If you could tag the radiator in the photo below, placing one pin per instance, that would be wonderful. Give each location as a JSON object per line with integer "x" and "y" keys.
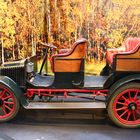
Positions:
{"x": 16, "y": 73}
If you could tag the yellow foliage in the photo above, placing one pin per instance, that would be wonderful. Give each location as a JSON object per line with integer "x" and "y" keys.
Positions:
{"x": 25, "y": 22}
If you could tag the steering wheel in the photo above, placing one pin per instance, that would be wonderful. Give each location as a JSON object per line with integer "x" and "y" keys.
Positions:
{"x": 48, "y": 45}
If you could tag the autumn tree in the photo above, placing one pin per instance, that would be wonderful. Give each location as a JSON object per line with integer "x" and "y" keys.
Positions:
{"x": 7, "y": 28}
{"x": 24, "y": 23}
{"x": 122, "y": 21}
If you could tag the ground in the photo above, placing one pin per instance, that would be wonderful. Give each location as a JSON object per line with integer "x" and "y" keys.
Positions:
{"x": 62, "y": 125}
{"x": 70, "y": 125}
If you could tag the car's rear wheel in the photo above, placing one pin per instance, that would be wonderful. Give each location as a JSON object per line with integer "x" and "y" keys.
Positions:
{"x": 9, "y": 104}
{"x": 124, "y": 106}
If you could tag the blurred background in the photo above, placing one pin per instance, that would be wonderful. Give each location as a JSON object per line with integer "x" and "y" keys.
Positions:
{"x": 104, "y": 23}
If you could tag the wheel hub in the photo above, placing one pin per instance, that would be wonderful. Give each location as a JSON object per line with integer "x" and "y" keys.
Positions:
{"x": 132, "y": 106}
{"x": 1, "y": 102}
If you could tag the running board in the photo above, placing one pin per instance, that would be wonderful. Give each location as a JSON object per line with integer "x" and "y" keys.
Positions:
{"x": 66, "y": 105}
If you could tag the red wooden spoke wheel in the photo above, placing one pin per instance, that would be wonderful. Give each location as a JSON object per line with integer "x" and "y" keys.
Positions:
{"x": 9, "y": 104}
{"x": 124, "y": 106}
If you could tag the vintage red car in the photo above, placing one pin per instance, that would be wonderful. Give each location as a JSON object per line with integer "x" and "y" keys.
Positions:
{"x": 118, "y": 86}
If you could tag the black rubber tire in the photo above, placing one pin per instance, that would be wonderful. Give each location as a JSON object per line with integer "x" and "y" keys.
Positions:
{"x": 17, "y": 106}
{"x": 111, "y": 101}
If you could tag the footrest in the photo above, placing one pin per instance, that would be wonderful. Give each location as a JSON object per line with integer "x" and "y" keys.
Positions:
{"x": 66, "y": 105}
{"x": 95, "y": 82}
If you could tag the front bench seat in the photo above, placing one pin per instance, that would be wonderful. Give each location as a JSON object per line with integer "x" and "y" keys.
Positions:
{"x": 70, "y": 61}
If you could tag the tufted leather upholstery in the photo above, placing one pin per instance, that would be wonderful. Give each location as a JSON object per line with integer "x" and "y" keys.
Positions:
{"x": 130, "y": 46}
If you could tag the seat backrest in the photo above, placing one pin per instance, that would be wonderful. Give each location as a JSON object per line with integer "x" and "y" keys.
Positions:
{"x": 72, "y": 60}
{"x": 78, "y": 50}
{"x": 131, "y": 44}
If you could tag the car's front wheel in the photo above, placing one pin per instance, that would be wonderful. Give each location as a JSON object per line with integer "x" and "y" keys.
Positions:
{"x": 9, "y": 104}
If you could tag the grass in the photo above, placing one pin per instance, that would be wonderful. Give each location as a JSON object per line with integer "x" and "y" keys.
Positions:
{"x": 91, "y": 68}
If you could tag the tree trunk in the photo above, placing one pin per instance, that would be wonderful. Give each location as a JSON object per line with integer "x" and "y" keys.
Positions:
{"x": 46, "y": 28}
{"x": 14, "y": 52}
{"x": 33, "y": 45}
{"x": 2, "y": 46}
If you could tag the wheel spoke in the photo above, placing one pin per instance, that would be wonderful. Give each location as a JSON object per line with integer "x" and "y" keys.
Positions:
{"x": 8, "y": 97}
{"x": 128, "y": 116}
{"x": 138, "y": 112}
{"x": 135, "y": 97}
{"x": 138, "y": 101}
{"x": 134, "y": 116}
{"x": 8, "y": 102}
{"x": 138, "y": 106}
{"x": 129, "y": 93}
{"x": 8, "y": 107}
{"x": 124, "y": 98}
{"x": 4, "y": 111}
{"x": 124, "y": 113}
{"x": 122, "y": 108}
{"x": 2, "y": 93}
{"x": 125, "y": 104}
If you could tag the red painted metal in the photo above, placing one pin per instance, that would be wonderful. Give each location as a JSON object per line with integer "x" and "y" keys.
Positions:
{"x": 7, "y": 103}
{"x": 127, "y": 107}
{"x": 65, "y": 92}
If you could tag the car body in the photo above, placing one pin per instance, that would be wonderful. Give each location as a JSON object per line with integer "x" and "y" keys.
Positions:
{"x": 116, "y": 89}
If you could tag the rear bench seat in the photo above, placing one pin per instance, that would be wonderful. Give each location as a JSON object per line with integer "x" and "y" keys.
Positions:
{"x": 131, "y": 45}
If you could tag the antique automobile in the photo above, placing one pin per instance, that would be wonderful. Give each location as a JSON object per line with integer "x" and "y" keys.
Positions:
{"x": 116, "y": 90}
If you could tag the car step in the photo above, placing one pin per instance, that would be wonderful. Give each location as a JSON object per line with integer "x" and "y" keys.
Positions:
{"x": 66, "y": 105}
